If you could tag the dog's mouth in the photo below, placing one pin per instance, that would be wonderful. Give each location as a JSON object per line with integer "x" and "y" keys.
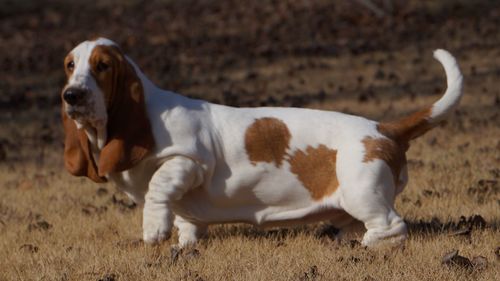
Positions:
{"x": 78, "y": 112}
{"x": 73, "y": 113}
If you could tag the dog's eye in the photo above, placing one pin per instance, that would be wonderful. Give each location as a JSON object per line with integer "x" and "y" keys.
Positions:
{"x": 101, "y": 67}
{"x": 70, "y": 65}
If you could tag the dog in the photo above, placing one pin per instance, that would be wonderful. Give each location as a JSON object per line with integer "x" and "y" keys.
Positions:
{"x": 192, "y": 163}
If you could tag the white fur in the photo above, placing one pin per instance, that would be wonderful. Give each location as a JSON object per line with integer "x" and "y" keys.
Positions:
{"x": 200, "y": 173}
{"x": 453, "y": 93}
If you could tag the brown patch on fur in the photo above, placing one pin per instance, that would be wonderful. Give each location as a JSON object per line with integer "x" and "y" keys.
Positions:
{"x": 78, "y": 158}
{"x": 316, "y": 169}
{"x": 392, "y": 149}
{"x": 387, "y": 150}
{"x": 267, "y": 140}
{"x": 129, "y": 133}
{"x": 107, "y": 80}
{"x": 407, "y": 128}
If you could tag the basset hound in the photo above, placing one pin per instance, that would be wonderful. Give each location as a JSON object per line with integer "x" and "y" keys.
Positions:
{"x": 192, "y": 163}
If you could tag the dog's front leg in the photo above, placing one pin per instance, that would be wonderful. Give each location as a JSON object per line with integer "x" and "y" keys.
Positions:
{"x": 169, "y": 183}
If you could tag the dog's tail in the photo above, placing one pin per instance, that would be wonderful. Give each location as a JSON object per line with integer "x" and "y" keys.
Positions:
{"x": 416, "y": 124}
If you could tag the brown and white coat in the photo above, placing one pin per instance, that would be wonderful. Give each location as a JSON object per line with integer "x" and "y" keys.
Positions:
{"x": 193, "y": 163}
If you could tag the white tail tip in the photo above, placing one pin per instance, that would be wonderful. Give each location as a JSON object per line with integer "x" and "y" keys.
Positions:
{"x": 454, "y": 86}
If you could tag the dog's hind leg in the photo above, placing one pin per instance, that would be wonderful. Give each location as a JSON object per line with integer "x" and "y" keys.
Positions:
{"x": 370, "y": 199}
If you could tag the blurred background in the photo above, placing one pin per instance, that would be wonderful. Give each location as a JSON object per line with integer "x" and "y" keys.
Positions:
{"x": 366, "y": 57}
{"x": 241, "y": 53}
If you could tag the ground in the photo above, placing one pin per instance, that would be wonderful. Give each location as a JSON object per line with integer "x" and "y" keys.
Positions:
{"x": 332, "y": 55}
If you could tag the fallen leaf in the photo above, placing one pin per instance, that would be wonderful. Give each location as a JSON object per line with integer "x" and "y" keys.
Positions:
{"x": 101, "y": 191}
{"x": 39, "y": 225}
{"x": 25, "y": 185}
{"x": 185, "y": 254}
{"x": 477, "y": 221}
{"x": 124, "y": 204}
{"x": 354, "y": 244}
{"x": 311, "y": 274}
{"x": 453, "y": 259}
{"x": 108, "y": 277}
{"x": 191, "y": 254}
{"x": 29, "y": 248}
{"x": 369, "y": 278}
{"x": 466, "y": 231}
{"x": 479, "y": 263}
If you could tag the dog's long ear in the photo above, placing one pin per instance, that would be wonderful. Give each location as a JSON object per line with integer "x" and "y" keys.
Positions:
{"x": 130, "y": 137}
{"x": 78, "y": 159}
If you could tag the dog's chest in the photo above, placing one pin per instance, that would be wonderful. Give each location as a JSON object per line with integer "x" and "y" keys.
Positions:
{"x": 134, "y": 182}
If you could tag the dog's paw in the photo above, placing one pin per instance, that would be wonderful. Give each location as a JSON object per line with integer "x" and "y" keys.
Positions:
{"x": 155, "y": 232}
{"x": 156, "y": 226}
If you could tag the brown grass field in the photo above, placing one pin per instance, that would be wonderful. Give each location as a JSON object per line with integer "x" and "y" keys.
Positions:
{"x": 332, "y": 55}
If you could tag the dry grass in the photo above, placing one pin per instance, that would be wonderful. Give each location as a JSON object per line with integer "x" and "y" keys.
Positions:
{"x": 57, "y": 227}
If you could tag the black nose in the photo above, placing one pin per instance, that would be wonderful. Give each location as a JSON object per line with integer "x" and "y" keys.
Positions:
{"x": 73, "y": 95}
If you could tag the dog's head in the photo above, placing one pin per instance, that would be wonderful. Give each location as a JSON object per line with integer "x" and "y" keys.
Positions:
{"x": 95, "y": 72}
{"x": 103, "y": 93}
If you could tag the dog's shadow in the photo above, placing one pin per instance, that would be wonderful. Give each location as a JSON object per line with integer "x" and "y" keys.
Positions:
{"x": 422, "y": 228}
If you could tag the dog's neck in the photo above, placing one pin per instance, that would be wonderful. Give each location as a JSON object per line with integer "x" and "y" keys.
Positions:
{"x": 97, "y": 138}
